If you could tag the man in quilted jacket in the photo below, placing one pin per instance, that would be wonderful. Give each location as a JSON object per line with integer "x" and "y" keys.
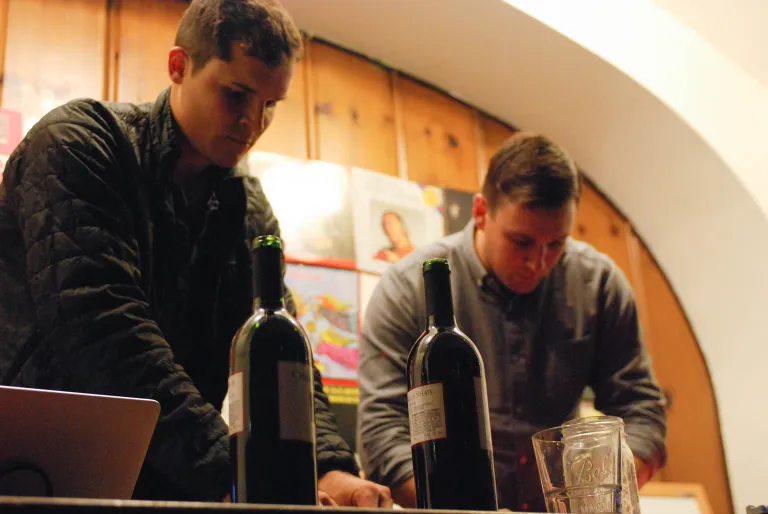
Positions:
{"x": 124, "y": 262}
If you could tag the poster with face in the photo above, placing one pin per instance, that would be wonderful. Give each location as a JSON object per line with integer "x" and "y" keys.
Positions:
{"x": 311, "y": 202}
{"x": 392, "y": 217}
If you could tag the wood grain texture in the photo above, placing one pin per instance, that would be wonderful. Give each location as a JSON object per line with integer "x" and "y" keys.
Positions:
{"x": 440, "y": 138}
{"x": 494, "y": 134}
{"x": 147, "y": 31}
{"x": 354, "y": 110}
{"x": 600, "y": 225}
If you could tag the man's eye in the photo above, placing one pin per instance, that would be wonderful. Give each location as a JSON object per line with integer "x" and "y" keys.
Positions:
{"x": 236, "y": 96}
{"x": 521, "y": 244}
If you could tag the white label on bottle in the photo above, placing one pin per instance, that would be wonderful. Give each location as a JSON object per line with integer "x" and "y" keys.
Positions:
{"x": 426, "y": 413}
{"x": 481, "y": 396}
{"x": 236, "y": 409}
{"x": 295, "y": 395}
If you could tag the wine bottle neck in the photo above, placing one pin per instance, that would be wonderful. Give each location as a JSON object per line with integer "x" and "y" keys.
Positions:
{"x": 437, "y": 288}
{"x": 268, "y": 290}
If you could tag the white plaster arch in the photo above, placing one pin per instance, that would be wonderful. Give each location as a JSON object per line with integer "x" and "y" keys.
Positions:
{"x": 667, "y": 126}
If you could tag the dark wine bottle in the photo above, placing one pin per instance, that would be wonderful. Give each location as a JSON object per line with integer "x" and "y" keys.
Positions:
{"x": 448, "y": 408}
{"x": 271, "y": 395}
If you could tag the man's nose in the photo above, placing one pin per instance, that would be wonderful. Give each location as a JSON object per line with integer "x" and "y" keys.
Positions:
{"x": 536, "y": 259}
{"x": 254, "y": 117}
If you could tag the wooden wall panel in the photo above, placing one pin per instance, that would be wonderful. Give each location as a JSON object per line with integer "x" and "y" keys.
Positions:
{"x": 600, "y": 225}
{"x": 693, "y": 438}
{"x": 440, "y": 138}
{"x": 493, "y": 134}
{"x": 354, "y": 110}
{"x": 147, "y": 30}
{"x": 55, "y": 52}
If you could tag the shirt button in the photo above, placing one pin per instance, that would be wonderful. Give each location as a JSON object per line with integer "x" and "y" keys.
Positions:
{"x": 523, "y": 460}
{"x": 524, "y": 506}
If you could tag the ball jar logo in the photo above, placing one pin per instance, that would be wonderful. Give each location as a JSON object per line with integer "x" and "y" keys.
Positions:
{"x": 590, "y": 470}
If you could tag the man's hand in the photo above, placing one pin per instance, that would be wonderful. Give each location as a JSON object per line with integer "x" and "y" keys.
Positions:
{"x": 324, "y": 500}
{"x": 350, "y": 491}
{"x": 644, "y": 472}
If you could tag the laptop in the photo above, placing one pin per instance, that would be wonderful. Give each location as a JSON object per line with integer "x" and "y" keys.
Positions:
{"x": 76, "y": 445}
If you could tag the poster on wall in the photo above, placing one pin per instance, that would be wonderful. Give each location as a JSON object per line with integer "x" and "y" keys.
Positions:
{"x": 327, "y": 307}
{"x": 457, "y": 209}
{"x": 392, "y": 217}
{"x": 311, "y": 202}
{"x": 10, "y": 135}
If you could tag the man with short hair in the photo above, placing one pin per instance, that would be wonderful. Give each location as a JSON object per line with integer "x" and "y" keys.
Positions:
{"x": 124, "y": 264}
{"x": 548, "y": 314}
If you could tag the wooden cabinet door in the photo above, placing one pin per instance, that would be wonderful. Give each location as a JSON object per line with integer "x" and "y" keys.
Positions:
{"x": 440, "y": 138}
{"x": 694, "y": 443}
{"x": 354, "y": 110}
{"x": 55, "y": 52}
{"x": 145, "y": 34}
{"x": 494, "y": 134}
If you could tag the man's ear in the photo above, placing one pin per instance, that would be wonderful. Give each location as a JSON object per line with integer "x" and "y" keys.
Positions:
{"x": 479, "y": 210}
{"x": 179, "y": 64}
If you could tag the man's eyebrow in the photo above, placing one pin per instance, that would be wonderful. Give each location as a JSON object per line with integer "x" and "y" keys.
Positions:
{"x": 518, "y": 235}
{"x": 246, "y": 88}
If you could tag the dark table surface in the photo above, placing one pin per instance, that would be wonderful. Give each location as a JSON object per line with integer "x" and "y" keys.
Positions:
{"x": 19, "y": 505}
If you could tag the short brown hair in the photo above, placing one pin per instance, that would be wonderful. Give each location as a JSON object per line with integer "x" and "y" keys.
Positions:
{"x": 532, "y": 169}
{"x": 208, "y": 28}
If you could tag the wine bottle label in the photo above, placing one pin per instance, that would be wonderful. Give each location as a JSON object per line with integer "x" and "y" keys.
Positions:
{"x": 484, "y": 428}
{"x": 426, "y": 413}
{"x": 295, "y": 401}
{"x": 236, "y": 414}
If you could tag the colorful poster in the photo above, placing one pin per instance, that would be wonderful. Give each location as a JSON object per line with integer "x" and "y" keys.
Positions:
{"x": 392, "y": 217}
{"x": 10, "y": 135}
{"x": 458, "y": 209}
{"x": 311, "y": 202}
{"x": 327, "y": 307}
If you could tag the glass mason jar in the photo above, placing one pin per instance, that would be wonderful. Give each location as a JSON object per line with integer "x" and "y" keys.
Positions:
{"x": 630, "y": 498}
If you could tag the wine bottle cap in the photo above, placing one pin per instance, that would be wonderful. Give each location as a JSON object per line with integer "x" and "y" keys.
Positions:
{"x": 436, "y": 264}
{"x": 267, "y": 241}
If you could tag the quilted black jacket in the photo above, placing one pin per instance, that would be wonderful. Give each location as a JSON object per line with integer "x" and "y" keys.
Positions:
{"x": 108, "y": 285}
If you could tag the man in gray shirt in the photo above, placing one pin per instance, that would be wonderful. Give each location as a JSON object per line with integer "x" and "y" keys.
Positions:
{"x": 548, "y": 314}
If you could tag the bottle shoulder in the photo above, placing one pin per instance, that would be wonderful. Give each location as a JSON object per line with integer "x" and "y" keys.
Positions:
{"x": 440, "y": 351}
{"x": 271, "y": 325}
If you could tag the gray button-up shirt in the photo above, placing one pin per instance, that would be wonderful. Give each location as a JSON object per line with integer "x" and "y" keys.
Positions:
{"x": 579, "y": 327}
